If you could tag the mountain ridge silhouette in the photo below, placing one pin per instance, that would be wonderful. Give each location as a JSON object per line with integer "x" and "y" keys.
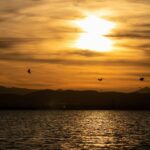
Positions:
{"x": 73, "y": 99}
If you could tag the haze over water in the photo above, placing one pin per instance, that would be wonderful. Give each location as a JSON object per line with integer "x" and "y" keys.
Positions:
{"x": 75, "y": 130}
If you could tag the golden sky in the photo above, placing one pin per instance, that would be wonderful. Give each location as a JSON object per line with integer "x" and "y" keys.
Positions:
{"x": 69, "y": 44}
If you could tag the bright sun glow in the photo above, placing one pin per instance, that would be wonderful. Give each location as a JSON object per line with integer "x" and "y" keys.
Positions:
{"x": 93, "y": 34}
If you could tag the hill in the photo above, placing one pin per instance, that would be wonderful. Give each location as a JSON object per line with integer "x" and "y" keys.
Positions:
{"x": 93, "y": 100}
{"x": 144, "y": 90}
{"x": 70, "y": 99}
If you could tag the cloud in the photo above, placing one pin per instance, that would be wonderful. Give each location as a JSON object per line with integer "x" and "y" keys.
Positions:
{"x": 143, "y": 25}
{"x": 140, "y": 34}
{"x": 39, "y": 33}
{"x": 139, "y": 74}
{"x": 85, "y": 53}
{"x": 74, "y": 62}
{"x": 139, "y": 1}
{"x": 145, "y": 48}
{"x": 6, "y": 43}
{"x": 138, "y": 47}
{"x": 2, "y": 19}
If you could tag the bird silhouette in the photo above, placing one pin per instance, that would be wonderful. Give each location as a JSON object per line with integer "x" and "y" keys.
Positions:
{"x": 29, "y": 71}
{"x": 141, "y": 79}
{"x": 100, "y": 79}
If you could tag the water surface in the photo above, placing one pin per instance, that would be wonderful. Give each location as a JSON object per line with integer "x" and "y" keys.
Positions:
{"x": 73, "y": 130}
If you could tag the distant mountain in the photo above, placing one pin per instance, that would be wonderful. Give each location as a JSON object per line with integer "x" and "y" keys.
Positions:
{"x": 14, "y": 90}
{"x": 69, "y": 99}
{"x": 19, "y": 98}
{"x": 144, "y": 90}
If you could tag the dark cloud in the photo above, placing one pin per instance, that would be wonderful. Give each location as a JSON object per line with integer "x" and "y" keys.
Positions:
{"x": 140, "y": 1}
{"x": 144, "y": 74}
{"x": 140, "y": 34}
{"x": 135, "y": 36}
{"x": 10, "y": 10}
{"x": 10, "y": 42}
{"x": 36, "y": 0}
{"x": 2, "y": 19}
{"x": 72, "y": 62}
{"x": 6, "y": 43}
{"x": 85, "y": 53}
{"x": 138, "y": 47}
{"x": 143, "y": 25}
{"x": 145, "y": 48}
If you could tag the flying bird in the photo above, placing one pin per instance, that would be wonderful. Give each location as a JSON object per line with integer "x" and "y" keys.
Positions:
{"x": 100, "y": 79}
{"x": 141, "y": 79}
{"x": 29, "y": 71}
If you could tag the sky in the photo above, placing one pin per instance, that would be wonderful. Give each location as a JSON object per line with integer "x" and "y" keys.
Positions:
{"x": 69, "y": 44}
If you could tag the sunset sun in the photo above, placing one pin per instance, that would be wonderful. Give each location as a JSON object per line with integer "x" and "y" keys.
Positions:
{"x": 93, "y": 31}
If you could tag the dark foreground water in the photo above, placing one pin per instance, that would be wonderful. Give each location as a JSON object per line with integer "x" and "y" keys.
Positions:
{"x": 71, "y": 130}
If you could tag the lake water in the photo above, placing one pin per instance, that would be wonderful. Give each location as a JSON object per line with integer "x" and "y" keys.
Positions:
{"x": 73, "y": 130}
